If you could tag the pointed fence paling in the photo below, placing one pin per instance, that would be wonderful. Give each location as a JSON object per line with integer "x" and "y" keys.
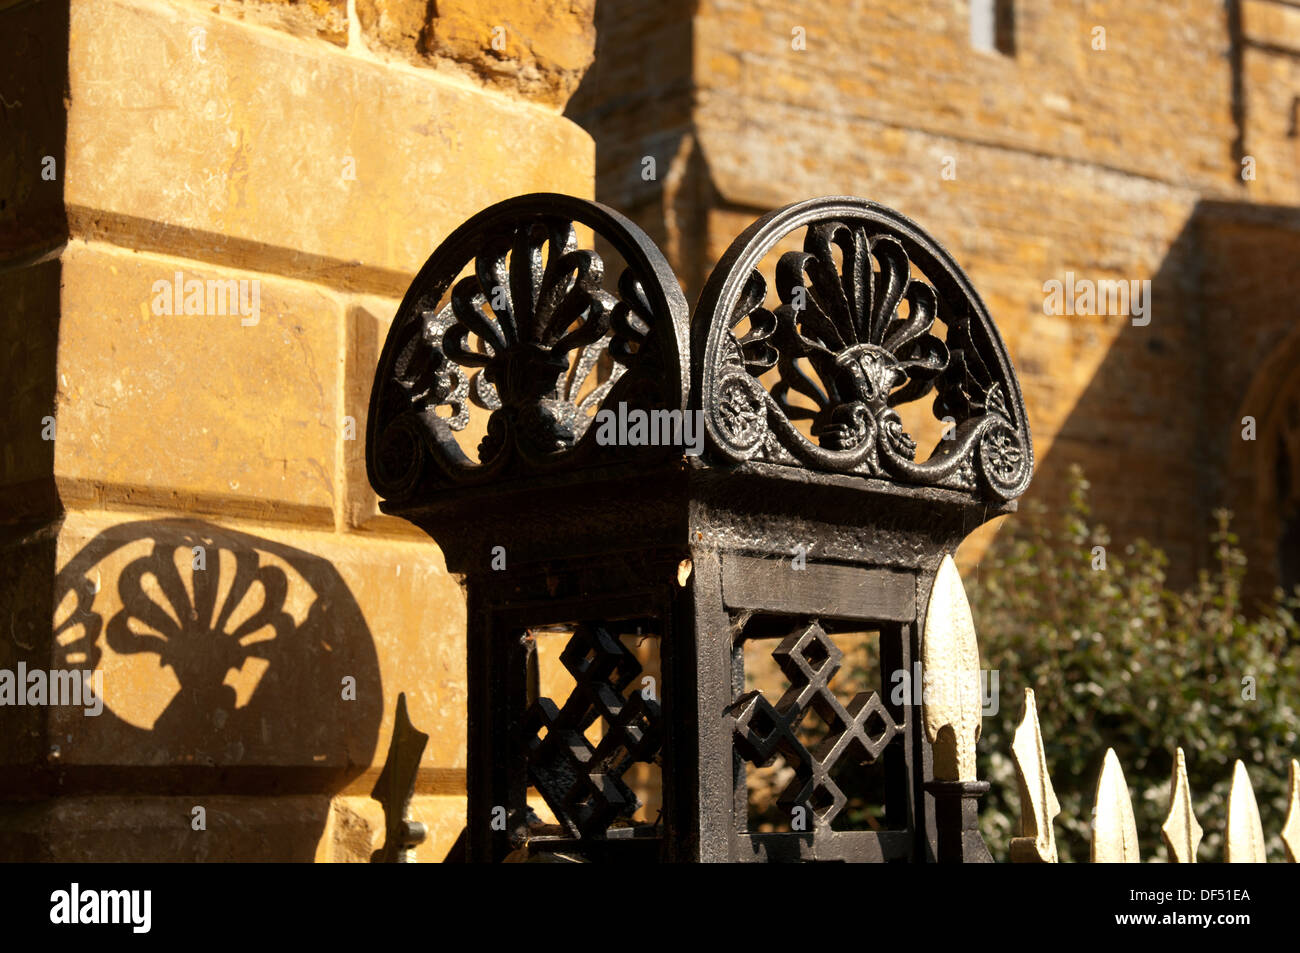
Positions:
{"x": 1114, "y": 833}
{"x": 951, "y": 659}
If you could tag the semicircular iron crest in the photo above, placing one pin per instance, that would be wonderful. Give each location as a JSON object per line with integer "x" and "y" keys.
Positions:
{"x": 537, "y": 334}
{"x": 873, "y": 314}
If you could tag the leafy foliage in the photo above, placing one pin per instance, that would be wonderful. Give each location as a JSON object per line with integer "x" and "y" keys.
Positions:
{"x": 1118, "y": 659}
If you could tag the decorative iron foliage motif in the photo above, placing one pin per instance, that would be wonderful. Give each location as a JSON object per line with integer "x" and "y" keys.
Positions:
{"x": 853, "y": 338}
{"x": 809, "y": 659}
{"x": 522, "y": 336}
{"x": 872, "y": 314}
{"x": 583, "y": 783}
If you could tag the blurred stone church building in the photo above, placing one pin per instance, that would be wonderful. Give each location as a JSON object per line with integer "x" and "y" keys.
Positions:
{"x": 1041, "y": 142}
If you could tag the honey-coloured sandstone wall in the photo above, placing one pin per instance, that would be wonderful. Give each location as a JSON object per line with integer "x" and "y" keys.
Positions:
{"x": 185, "y": 508}
{"x": 1077, "y": 151}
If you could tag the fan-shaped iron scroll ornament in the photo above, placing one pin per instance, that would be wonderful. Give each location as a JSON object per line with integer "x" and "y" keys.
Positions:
{"x": 647, "y": 562}
{"x": 857, "y": 309}
{"x": 522, "y": 336}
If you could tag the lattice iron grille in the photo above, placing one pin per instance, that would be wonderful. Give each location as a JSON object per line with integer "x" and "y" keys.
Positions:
{"x": 581, "y": 781}
{"x": 809, "y": 659}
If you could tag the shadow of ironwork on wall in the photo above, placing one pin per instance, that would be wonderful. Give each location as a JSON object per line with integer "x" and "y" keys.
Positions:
{"x": 216, "y": 648}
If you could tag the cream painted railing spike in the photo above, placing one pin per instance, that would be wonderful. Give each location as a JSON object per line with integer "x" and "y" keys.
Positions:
{"x": 1181, "y": 832}
{"x": 1114, "y": 831}
{"x": 1038, "y": 804}
{"x": 950, "y": 666}
{"x": 1291, "y": 829}
{"x": 1245, "y": 833}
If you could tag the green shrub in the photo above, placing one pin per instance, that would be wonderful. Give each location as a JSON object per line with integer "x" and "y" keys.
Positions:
{"x": 1117, "y": 659}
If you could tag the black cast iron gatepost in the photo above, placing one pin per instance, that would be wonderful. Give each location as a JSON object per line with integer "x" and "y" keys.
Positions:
{"x": 589, "y": 515}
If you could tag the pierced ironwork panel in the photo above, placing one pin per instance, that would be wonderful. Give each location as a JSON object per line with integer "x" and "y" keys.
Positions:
{"x": 804, "y": 370}
{"x": 873, "y": 315}
{"x": 582, "y": 782}
{"x": 809, "y": 659}
{"x": 523, "y": 335}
